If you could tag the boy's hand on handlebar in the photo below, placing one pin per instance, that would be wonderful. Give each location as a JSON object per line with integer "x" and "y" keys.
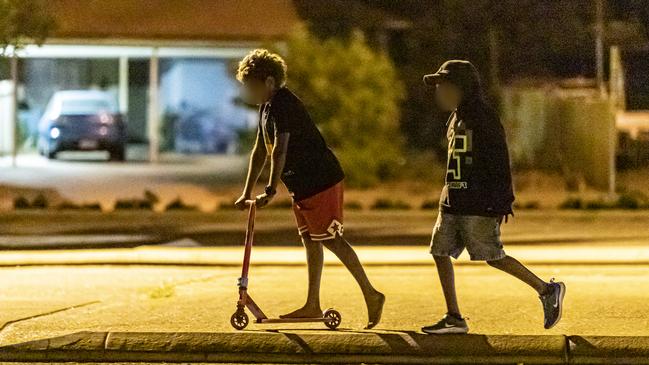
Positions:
{"x": 503, "y": 217}
{"x": 263, "y": 200}
{"x": 241, "y": 202}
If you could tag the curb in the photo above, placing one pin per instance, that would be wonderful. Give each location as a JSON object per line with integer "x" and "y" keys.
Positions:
{"x": 329, "y": 348}
{"x": 230, "y": 257}
{"x": 601, "y": 349}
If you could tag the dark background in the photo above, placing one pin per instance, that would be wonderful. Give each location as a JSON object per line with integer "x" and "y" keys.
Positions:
{"x": 508, "y": 40}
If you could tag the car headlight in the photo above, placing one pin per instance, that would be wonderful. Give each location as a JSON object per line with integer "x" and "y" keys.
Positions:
{"x": 55, "y": 133}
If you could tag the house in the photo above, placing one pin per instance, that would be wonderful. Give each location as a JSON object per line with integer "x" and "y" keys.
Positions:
{"x": 169, "y": 63}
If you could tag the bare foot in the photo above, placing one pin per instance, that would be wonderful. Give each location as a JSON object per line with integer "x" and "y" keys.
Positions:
{"x": 374, "y": 309}
{"x": 304, "y": 312}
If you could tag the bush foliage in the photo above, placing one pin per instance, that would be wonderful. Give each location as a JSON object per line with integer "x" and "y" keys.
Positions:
{"x": 354, "y": 94}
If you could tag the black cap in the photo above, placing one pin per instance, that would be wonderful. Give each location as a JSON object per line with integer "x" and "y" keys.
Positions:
{"x": 459, "y": 72}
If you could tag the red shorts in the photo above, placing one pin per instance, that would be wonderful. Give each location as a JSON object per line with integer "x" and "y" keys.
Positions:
{"x": 321, "y": 216}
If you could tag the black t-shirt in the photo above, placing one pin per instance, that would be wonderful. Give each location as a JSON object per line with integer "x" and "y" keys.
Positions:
{"x": 311, "y": 167}
{"x": 478, "y": 176}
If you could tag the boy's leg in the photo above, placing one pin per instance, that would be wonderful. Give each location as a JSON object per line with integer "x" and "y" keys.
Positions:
{"x": 447, "y": 280}
{"x": 445, "y": 244}
{"x": 482, "y": 237}
{"x": 346, "y": 254}
{"x": 322, "y": 215}
{"x": 483, "y": 242}
{"x": 314, "y": 259}
{"x": 513, "y": 267}
{"x": 551, "y": 294}
{"x": 452, "y": 322}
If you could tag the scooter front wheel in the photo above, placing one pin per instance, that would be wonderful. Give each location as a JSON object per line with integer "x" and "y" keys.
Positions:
{"x": 239, "y": 320}
{"x": 333, "y": 318}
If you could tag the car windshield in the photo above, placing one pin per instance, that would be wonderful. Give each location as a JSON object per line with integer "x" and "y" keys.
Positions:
{"x": 85, "y": 106}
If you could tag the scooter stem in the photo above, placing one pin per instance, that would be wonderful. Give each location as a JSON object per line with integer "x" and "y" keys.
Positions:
{"x": 243, "y": 281}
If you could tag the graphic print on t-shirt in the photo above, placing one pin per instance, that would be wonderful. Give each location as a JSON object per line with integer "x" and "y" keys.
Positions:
{"x": 459, "y": 148}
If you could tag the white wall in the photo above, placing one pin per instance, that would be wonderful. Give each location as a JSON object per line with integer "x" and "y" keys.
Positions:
{"x": 6, "y": 117}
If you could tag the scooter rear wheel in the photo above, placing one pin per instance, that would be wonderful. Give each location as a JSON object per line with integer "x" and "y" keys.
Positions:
{"x": 334, "y": 318}
{"x": 239, "y": 320}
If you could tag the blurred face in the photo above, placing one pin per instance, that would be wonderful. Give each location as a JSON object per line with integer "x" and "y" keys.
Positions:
{"x": 256, "y": 91}
{"x": 447, "y": 96}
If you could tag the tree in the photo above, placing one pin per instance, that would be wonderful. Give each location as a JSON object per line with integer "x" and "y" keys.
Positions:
{"x": 21, "y": 22}
{"x": 353, "y": 93}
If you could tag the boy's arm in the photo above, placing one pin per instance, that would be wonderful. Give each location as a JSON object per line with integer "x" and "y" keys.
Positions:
{"x": 258, "y": 159}
{"x": 278, "y": 159}
{"x": 499, "y": 170}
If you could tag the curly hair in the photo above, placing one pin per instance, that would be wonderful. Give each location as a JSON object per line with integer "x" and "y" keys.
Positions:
{"x": 260, "y": 64}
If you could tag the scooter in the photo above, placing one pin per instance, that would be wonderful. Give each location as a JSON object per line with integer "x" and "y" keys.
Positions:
{"x": 239, "y": 320}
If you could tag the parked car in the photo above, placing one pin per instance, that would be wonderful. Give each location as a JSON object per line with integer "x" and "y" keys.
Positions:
{"x": 82, "y": 120}
{"x": 199, "y": 131}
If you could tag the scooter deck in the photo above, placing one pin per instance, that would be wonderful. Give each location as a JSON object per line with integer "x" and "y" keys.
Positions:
{"x": 293, "y": 320}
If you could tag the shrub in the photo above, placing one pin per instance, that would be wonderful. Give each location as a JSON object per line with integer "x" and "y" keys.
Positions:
{"x": 40, "y": 202}
{"x": 353, "y": 205}
{"x": 68, "y": 205}
{"x": 151, "y": 197}
{"x": 533, "y": 204}
{"x": 430, "y": 205}
{"x": 571, "y": 203}
{"x": 21, "y": 203}
{"x": 178, "y": 204}
{"x": 91, "y": 206}
{"x": 633, "y": 200}
{"x": 386, "y": 204}
{"x": 598, "y": 204}
{"x": 133, "y": 204}
{"x": 353, "y": 93}
{"x": 627, "y": 201}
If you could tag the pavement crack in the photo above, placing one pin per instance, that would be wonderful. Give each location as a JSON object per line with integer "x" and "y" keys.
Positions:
{"x": 39, "y": 315}
{"x": 106, "y": 340}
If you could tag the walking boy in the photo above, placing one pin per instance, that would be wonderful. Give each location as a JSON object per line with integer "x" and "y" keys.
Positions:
{"x": 301, "y": 159}
{"x": 477, "y": 196}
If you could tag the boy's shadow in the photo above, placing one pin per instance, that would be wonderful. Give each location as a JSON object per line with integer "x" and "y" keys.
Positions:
{"x": 396, "y": 341}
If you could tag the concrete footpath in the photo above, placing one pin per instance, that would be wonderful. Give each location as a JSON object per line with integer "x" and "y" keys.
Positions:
{"x": 185, "y": 253}
{"x": 331, "y": 348}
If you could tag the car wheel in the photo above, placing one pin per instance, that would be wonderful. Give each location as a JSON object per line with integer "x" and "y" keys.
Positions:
{"x": 51, "y": 155}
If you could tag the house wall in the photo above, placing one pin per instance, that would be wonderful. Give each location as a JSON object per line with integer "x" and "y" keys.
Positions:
{"x": 199, "y": 92}
{"x": 42, "y": 77}
{"x": 199, "y": 97}
{"x": 565, "y": 130}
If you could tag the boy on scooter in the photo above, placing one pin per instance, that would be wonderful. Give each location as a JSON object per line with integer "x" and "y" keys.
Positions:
{"x": 300, "y": 158}
{"x": 477, "y": 196}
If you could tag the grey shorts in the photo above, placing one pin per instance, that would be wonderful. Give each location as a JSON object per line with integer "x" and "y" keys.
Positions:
{"x": 480, "y": 235}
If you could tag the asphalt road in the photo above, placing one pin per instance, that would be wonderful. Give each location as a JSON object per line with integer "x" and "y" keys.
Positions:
{"x": 47, "y": 301}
